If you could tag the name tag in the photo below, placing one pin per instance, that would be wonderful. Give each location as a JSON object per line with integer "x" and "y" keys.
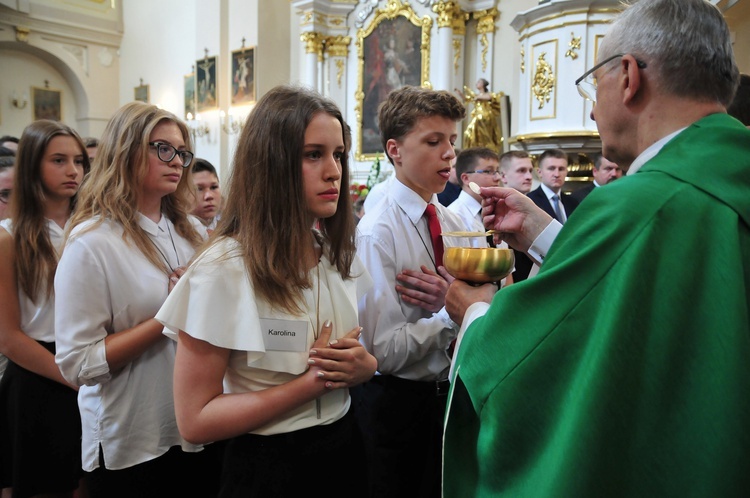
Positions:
{"x": 284, "y": 335}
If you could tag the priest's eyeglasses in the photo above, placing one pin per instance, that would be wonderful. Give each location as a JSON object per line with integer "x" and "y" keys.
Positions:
{"x": 167, "y": 152}
{"x": 587, "y": 83}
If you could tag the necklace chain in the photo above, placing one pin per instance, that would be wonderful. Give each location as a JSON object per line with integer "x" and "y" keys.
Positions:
{"x": 164, "y": 256}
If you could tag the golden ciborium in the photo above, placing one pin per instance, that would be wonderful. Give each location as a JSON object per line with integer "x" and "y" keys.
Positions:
{"x": 477, "y": 265}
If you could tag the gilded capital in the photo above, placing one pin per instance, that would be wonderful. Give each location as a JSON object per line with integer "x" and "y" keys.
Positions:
{"x": 486, "y": 20}
{"x": 313, "y": 43}
{"x": 337, "y": 46}
{"x": 444, "y": 10}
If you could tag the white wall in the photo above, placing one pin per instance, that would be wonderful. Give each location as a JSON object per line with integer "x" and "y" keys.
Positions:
{"x": 21, "y": 71}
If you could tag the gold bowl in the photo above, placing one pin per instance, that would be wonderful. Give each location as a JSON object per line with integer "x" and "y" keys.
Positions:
{"x": 478, "y": 264}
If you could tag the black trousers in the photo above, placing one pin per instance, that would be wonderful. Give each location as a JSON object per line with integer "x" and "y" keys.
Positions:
{"x": 402, "y": 426}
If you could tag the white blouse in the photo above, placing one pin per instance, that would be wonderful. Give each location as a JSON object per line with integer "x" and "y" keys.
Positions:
{"x": 104, "y": 284}
{"x": 215, "y": 302}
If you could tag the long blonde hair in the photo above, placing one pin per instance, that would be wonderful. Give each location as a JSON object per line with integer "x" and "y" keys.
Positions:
{"x": 36, "y": 258}
{"x": 265, "y": 209}
{"x": 113, "y": 188}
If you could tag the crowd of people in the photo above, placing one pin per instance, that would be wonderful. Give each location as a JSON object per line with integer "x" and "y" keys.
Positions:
{"x": 160, "y": 339}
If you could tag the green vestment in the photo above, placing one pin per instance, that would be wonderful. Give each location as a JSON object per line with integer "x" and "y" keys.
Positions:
{"x": 623, "y": 368}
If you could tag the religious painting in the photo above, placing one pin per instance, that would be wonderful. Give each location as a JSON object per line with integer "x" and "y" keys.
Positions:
{"x": 243, "y": 76}
{"x": 189, "y": 85}
{"x": 47, "y": 103}
{"x": 205, "y": 84}
{"x": 141, "y": 93}
{"x": 393, "y": 52}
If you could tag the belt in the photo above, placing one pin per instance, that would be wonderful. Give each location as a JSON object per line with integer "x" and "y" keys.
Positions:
{"x": 435, "y": 387}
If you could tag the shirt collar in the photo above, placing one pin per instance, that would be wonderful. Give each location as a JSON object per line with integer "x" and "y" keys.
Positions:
{"x": 548, "y": 191}
{"x": 410, "y": 202}
{"x": 149, "y": 226}
{"x": 651, "y": 152}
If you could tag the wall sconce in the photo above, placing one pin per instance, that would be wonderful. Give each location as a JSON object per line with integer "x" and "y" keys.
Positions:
{"x": 197, "y": 127}
{"x": 231, "y": 126}
{"x": 19, "y": 103}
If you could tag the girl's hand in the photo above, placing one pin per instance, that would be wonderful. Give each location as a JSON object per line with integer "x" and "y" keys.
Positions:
{"x": 344, "y": 362}
{"x": 174, "y": 277}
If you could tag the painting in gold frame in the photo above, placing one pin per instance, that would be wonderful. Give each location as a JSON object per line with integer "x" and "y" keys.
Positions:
{"x": 205, "y": 84}
{"x": 142, "y": 93}
{"x": 393, "y": 51}
{"x": 243, "y": 76}
{"x": 46, "y": 103}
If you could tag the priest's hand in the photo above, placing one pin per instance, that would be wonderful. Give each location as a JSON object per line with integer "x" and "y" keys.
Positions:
{"x": 462, "y": 295}
{"x": 514, "y": 215}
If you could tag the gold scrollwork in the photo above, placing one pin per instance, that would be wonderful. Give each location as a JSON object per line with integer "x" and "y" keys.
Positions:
{"x": 486, "y": 20}
{"x": 523, "y": 60}
{"x": 339, "y": 71}
{"x": 393, "y": 9}
{"x": 456, "y": 53}
{"x": 544, "y": 81}
{"x": 575, "y": 44}
{"x": 485, "y": 49}
{"x": 313, "y": 43}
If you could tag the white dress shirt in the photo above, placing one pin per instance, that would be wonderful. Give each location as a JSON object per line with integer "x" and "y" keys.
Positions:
{"x": 407, "y": 341}
{"x": 104, "y": 284}
{"x": 550, "y": 193}
{"x": 469, "y": 210}
{"x": 215, "y": 302}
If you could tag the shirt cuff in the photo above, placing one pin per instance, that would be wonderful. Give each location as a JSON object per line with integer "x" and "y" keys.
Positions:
{"x": 445, "y": 317}
{"x": 540, "y": 247}
{"x": 95, "y": 369}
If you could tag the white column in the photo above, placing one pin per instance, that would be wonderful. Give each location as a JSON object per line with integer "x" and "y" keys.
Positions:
{"x": 313, "y": 53}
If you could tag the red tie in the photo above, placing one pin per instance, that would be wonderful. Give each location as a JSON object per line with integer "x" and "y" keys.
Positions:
{"x": 437, "y": 241}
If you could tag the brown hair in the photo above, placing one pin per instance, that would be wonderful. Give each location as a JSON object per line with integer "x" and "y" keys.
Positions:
{"x": 113, "y": 188}
{"x": 403, "y": 107}
{"x": 36, "y": 258}
{"x": 467, "y": 159}
{"x": 556, "y": 153}
{"x": 265, "y": 210}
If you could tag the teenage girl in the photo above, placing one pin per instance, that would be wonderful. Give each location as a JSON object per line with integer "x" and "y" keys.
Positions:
{"x": 40, "y": 430}
{"x": 266, "y": 317}
{"x": 128, "y": 243}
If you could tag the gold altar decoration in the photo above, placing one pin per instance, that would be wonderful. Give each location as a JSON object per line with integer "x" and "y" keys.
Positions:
{"x": 313, "y": 43}
{"x": 456, "y": 54}
{"x": 484, "y": 128}
{"x": 523, "y": 60}
{"x": 544, "y": 81}
{"x": 575, "y": 44}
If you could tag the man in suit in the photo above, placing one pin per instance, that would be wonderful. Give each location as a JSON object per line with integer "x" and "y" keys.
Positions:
{"x": 516, "y": 172}
{"x": 552, "y": 170}
{"x": 604, "y": 172}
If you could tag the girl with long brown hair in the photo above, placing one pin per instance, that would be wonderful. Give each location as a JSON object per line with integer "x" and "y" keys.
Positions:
{"x": 266, "y": 317}
{"x": 40, "y": 429}
{"x": 128, "y": 242}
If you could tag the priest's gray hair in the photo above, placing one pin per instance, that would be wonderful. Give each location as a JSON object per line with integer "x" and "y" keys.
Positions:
{"x": 686, "y": 43}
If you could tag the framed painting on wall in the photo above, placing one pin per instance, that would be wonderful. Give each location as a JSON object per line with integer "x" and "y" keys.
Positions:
{"x": 205, "y": 84}
{"x": 141, "y": 93}
{"x": 243, "y": 76}
{"x": 189, "y": 85}
{"x": 393, "y": 52}
{"x": 47, "y": 103}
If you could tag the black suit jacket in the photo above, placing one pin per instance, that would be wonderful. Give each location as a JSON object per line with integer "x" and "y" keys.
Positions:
{"x": 580, "y": 194}
{"x": 540, "y": 199}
